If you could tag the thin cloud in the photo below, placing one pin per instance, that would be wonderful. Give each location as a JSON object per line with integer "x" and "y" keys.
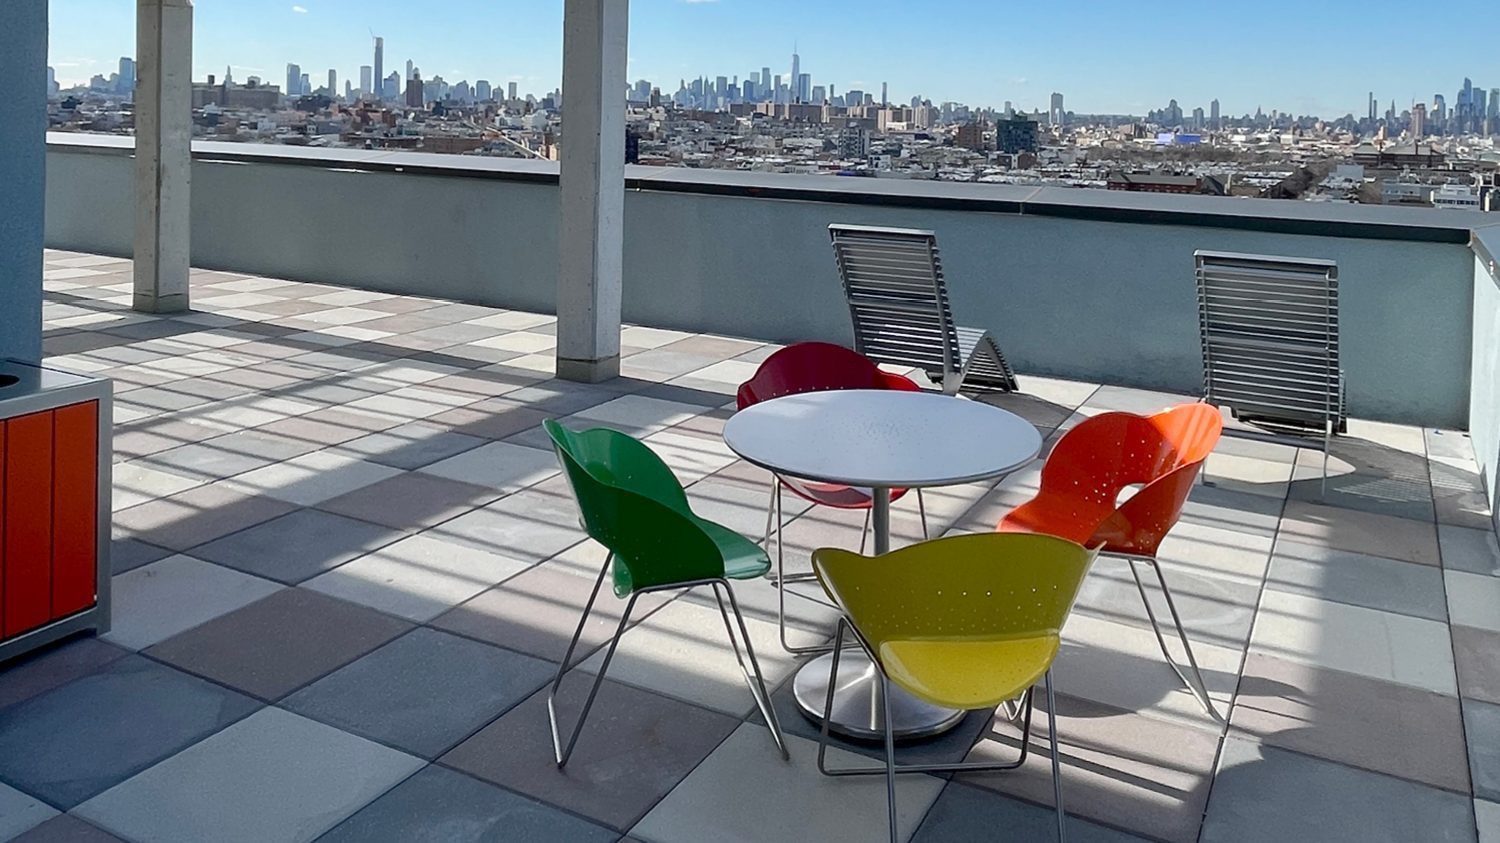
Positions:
{"x": 301, "y": 10}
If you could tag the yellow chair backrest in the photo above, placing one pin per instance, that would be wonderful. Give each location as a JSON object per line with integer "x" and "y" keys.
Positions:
{"x": 966, "y": 621}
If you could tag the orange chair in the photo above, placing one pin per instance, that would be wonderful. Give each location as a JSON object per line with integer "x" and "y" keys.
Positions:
{"x": 1088, "y": 469}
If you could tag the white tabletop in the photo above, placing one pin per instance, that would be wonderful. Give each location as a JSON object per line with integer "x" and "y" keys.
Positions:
{"x": 882, "y": 438}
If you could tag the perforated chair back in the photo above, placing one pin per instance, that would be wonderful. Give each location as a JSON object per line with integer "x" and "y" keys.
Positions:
{"x": 966, "y": 621}
{"x": 815, "y": 367}
{"x": 1269, "y": 328}
{"x": 1099, "y": 458}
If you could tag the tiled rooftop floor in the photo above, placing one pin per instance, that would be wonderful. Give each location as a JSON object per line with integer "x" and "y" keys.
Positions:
{"x": 345, "y": 566}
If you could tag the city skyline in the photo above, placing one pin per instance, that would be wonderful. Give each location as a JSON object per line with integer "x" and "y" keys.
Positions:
{"x": 269, "y": 34}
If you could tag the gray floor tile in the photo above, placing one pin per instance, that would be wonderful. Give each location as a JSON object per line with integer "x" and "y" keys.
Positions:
{"x": 417, "y": 578}
{"x": 272, "y": 776}
{"x": 1267, "y": 794}
{"x": 962, "y": 812}
{"x": 1216, "y": 609}
{"x": 157, "y": 601}
{"x": 411, "y": 501}
{"x": 1487, "y": 815}
{"x": 1476, "y": 653}
{"x": 196, "y": 516}
{"x": 1473, "y": 599}
{"x": 272, "y": 647}
{"x": 1482, "y": 726}
{"x": 66, "y": 828}
{"x": 42, "y": 670}
{"x": 423, "y": 692}
{"x": 1458, "y": 493}
{"x": 75, "y": 741}
{"x": 498, "y": 465}
{"x": 298, "y": 545}
{"x": 1468, "y": 549}
{"x": 1370, "y": 642}
{"x": 795, "y": 801}
{"x": 538, "y": 611}
{"x": 438, "y": 805}
{"x": 636, "y": 747}
{"x": 1358, "y": 579}
{"x": 19, "y": 812}
{"x": 412, "y": 445}
{"x": 1361, "y": 532}
{"x": 128, "y": 554}
{"x": 1381, "y": 726}
{"x": 228, "y": 455}
{"x": 528, "y": 525}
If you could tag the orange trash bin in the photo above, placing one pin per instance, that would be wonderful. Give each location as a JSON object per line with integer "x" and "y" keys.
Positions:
{"x": 55, "y": 488}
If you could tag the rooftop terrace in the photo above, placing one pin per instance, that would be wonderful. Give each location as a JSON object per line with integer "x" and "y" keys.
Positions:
{"x": 346, "y": 564}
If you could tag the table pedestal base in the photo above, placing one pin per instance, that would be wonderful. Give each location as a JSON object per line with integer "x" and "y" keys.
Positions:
{"x": 856, "y": 702}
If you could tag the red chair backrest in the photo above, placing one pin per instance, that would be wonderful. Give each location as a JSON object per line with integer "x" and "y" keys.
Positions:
{"x": 1093, "y": 462}
{"x": 815, "y": 367}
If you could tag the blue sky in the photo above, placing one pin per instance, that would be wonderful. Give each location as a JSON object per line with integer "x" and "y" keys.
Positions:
{"x": 1306, "y": 57}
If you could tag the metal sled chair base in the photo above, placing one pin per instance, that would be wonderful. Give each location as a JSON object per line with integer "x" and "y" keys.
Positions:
{"x": 891, "y": 769}
{"x": 1195, "y": 685}
{"x": 753, "y": 678}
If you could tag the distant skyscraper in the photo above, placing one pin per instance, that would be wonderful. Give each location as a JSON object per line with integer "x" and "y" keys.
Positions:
{"x": 379, "y": 63}
{"x": 414, "y": 91}
{"x": 765, "y": 83}
{"x": 1213, "y": 115}
{"x": 885, "y": 94}
{"x": 409, "y": 70}
{"x": 392, "y": 88}
{"x": 333, "y": 82}
{"x": 366, "y": 80}
{"x": 1439, "y": 111}
{"x": 52, "y": 87}
{"x": 304, "y": 85}
{"x": 293, "y": 80}
{"x": 127, "y": 75}
{"x": 804, "y": 88}
{"x": 482, "y": 91}
{"x": 1372, "y": 106}
{"x": 510, "y": 91}
{"x": 796, "y": 77}
{"x": 1418, "y": 121}
{"x": 1055, "y": 115}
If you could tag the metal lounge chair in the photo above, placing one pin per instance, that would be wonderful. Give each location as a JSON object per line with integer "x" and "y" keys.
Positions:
{"x": 1269, "y": 328}
{"x": 893, "y": 280}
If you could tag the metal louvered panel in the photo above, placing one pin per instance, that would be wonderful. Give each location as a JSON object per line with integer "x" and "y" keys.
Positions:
{"x": 1269, "y": 329}
{"x": 893, "y": 280}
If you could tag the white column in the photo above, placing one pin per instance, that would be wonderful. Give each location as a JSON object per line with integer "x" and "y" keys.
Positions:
{"x": 163, "y": 159}
{"x": 591, "y": 232}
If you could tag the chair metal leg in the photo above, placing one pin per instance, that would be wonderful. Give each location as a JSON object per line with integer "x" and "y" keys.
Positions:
{"x": 771, "y": 512}
{"x": 890, "y": 755}
{"x": 922, "y": 510}
{"x": 1057, "y": 796}
{"x": 560, "y": 752}
{"x": 781, "y": 580}
{"x": 864, "y": 532}
{"x": 757, "y": 683}
{"x": 960, "y": 767}
{"x": 1327, "y": 436}
{"x": 1198, "y": 688}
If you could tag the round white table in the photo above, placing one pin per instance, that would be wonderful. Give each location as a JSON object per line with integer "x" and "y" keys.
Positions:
{"x": 880, "y": 440}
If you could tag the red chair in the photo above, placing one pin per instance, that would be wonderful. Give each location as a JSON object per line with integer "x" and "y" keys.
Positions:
{"x": 1088, "y": 469}
{"x": 817, "y": 367}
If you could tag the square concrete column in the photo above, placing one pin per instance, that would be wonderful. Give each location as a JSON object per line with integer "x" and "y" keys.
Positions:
{"x": 163, "y": 153}
{"x": 23, "y": 166}
{"x": 591, "y": 232}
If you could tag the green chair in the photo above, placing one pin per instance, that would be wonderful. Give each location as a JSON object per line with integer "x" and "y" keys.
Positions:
{"x": 633, "y": 505}
{"x": 965, "y": 622}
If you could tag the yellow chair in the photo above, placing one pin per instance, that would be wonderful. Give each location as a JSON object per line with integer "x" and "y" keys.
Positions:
{"x": 964, "y": 622}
